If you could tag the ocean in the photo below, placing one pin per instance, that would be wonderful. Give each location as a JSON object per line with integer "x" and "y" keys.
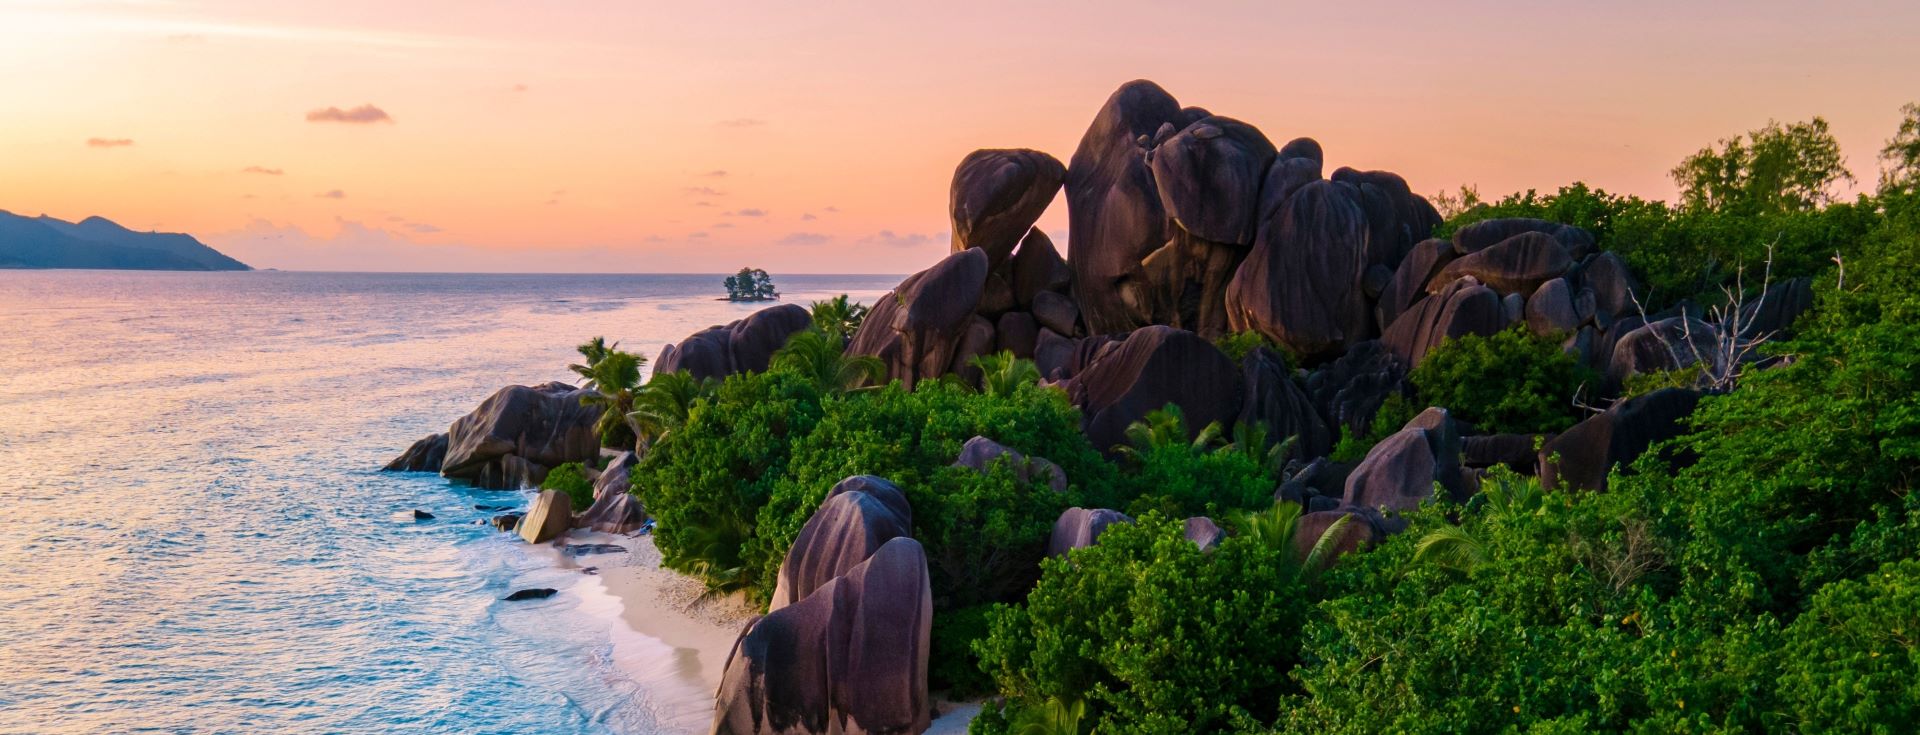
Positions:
{"x": 197, "y": 538}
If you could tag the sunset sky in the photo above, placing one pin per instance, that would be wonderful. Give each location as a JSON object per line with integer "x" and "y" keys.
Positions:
{"x": 623, "y": 136}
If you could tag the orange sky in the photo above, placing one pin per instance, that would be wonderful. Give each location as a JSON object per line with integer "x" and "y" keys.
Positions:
{"x": 819, "y": 137}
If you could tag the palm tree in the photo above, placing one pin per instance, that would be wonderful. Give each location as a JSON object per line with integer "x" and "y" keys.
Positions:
{"x": 613, "y": 377}
{"x": 1502, "y": 495}
{"x": 1053, "y": 718}
{"x": 820, "y": 358}
{"x": 1166, "y": 427}
{"x": 1002, "y": 374}
{"x": 1276, "y": 527}
{"x": 1250, "y": 438}
{"x": 839, "y": 317}
{"x": 1450, "y": 547}
{"x": 593, "y": 350}
{"x": 662, "y": 406}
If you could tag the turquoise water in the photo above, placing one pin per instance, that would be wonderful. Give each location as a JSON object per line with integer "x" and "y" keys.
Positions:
{"x": 196, "y": 539}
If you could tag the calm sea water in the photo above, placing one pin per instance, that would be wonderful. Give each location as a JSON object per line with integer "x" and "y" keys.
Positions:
{"x": 196, "y": 539}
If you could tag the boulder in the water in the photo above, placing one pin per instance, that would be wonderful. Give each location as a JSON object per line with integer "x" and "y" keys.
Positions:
{"x": 425, "y": 455}
{"x": 536, "y": 593}
{"x": 548, "y": 518}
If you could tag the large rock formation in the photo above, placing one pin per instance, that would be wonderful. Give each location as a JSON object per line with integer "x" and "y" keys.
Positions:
{"x": 981, "y": 454}
{"x": 1668, "y": 344}
{"x": 1209, "y": 177}
{"x": 1463, "y": 307}
{"x": 1349, "y": 391}
{"x": 1301, "y": 284}
{"x": 859, "y": 515}
{"x": 614, "y": 509}
{"x": 519, "y": 433}
{"x": 1409, "y": 282}
{"x": 917, "y": 329}
{"x": 744, "y": 345}
{"x": 997, "y": 195}
{"x": 1155, "y": 366}
{"x": 849, "y": 658}
{"x": 1581, "y": 456}
{"x": 1113, "y": 207}
{"x": 1272, "y": 399}
{"x": 425, "y": 455}
{"x": 1518, "y": 264}
{"x": 1400, "y": 472}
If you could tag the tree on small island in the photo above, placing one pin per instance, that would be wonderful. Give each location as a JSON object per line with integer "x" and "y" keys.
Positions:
{"x": 750, "y": 284}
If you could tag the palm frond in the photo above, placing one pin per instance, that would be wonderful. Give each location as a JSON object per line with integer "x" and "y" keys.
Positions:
{"x": 1450, "y": 547}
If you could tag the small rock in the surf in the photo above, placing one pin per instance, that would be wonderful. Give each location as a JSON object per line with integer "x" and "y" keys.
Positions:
{"x": 537, "y": 593}
{"x": 506, "y": 521}
{"x": 492, "y": 508}
{"x": 421, "y": 515}
{"x": 586, "y": 549}
{"x": 589, "y": 570}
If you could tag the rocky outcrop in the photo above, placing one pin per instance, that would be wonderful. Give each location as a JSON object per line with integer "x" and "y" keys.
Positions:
{"x": 426, "y": 455}
{"x": 1396, "y": 217}
{"x": 1300, "y": 286}
{"x": 1209, "y": 177}
{"x": 1582, "y": 456}
{"x": 548, "y": 518}
{"x": 1516, "y": 451}
{"x": 1668, "y": 344}
{"x": 997, "y": 195}
{"x": 519, "y": 433}
{"x": 615, "y": 509}
{"x": 1113, "y": 207}
{"x": 1037, "y": 268}
{"x": 1362, "y": 529}
{"x": 1272, "y": 399}
{"x": 1518, "y": 264}
{"x": 744, "y": 345}
{"x": 1349, "y": 391}
{"x": 1552, "y": 311}
{"x": 849, "y": 658}
{"x": 1153, "y": 367}
{"x": 917, "y": 329}
{"x": 1463, "y": 307}
{"x": 1079, "y": 528}
{"x": 1203, "y": 532}
{"x": 980, "y": 454}
{"x": 860, "y": 514}
{"x": 1409, "y": 281}
{"x": 1401, "y": 471}
{"x": 1612, "y": 283}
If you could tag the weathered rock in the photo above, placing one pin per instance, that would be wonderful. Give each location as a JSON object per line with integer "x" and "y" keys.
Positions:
{"x": 1300, "y": 286}
{"x": 1551, "y": 311}
{"x": 1307, "y": 148}
{"x": 1513, "y": 308}
{"x": 1463, "y": 307}
{"x": 1516, "y": 451}
{"x": 518, "y": 433}
{"x": 1396, "y": 217}
{"x": 1581, "y": 456}
{"x": 1038, "y": 267}
{"x": 425, "y": 455}
{"x": 744, "y": 345}
{"x": 1080, "y": 527}
{"x": 1484, "y": 234}
{"x": 536, "y": 593}
{"x": 1348, "y": 391}
{"x": 1518, "y": 264}
{"x": 1612, "y": 284}
{"x": 977, "y": 340}
{"x": 1409, "y": 282}
{"x": 980, "y": 454}
{"x": 1668, "y": 344}
{"x": 614, "y": 509}
{"x": 1113, "y": 207}
{"x": 1272, "y": 399}
{"x": 996, "y": 297}
{"x": 1204, "y": 533}
{"x": 1056, "y": 312}
{"x": 507, "y": 521}
{"x": 548, "y": 518}
{"x": 1359, "y": 532}
{"x": 1209, "y": 178}
{"x": 1775, "y": 309}
{"x": 1155, "y": 366}
{"x": 849, "y": 658}
{"x": 917, "y": 329}
{"x": 421, "y": 515}
{"x": 858, "y": 516}
{"x": 1016, "y": 332}
{"x": 997, "y": 195}
{"x": 579, "y": 550}
{"x": 1401, "y": 471}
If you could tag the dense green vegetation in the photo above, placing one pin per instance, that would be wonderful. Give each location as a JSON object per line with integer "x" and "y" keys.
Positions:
{"x": 613, "y": 375}
{"x": 571, "y": 479}
{"x": 1759, "y": 575}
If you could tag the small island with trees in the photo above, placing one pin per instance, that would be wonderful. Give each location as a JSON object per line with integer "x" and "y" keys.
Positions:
{"x": 751, "y": 284}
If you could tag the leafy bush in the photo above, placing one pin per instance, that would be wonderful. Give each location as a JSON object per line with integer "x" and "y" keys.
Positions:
{"x": 1181, "y": 481}
{"x": 571, "y": 479}
{"x": 707, "y": 485}
{"x": 1394, "y": 413}
{"x": 983, "y": 533}
{"x": 1153, "y": 634}
{"x": 1851, "y": 662}
{"x": 1511, "y": 382}
{"x": 951, "y": 663}
{"x": 1237, "y": 345}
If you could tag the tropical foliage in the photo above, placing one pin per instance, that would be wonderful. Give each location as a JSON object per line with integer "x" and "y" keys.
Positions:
{"x": 1509, "y": 383}
{"x": 750, "y": 284}
{"x": 571, "y": 479}
{"x": 613, "y": 375}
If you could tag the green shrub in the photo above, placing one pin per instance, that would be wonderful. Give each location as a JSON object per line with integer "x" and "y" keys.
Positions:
{"x": 1181, "y": 481}
{"x": 708, "y": 484}
{"x": 1509, "y": 383}
{"x": 983, "y": 533}
{"x": 1237, "y": 345}
{"x": 1851, "y": 662}
{"x": 1393, "y": 414}
{"x": 571, "y": 479}
{"x": 1153, "y": 634}
{"x": 951, "y": 663}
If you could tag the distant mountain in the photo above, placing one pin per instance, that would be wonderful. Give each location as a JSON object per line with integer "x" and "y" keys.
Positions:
{"x": 97, "y": 242}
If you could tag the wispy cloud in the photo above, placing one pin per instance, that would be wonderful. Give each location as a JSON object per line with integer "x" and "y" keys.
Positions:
{"x": 704, "y": 191}
{"x": 422, "y": 228}
{"x": 697, "y": 236}
{"x": 806, "y": 238}
{"x": 109, "y": 142}
{"x": 749, "y": 212}
{"x": 741, "y": 122}
{"x": 831, "y": 208}
{"x": 703, "y": 204}
{"x": 715, "y": 174}
{"x": 519, "y": 87}
{"x": 904, "y": 240}
{"x": 262, "y": 170}
{"x": 808, "y": 217}
{"x": 362, "y": 115}
{"x": 654, "y": 238}
{"x": 332, "y": 194}
{"x": 722, "y": 225}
